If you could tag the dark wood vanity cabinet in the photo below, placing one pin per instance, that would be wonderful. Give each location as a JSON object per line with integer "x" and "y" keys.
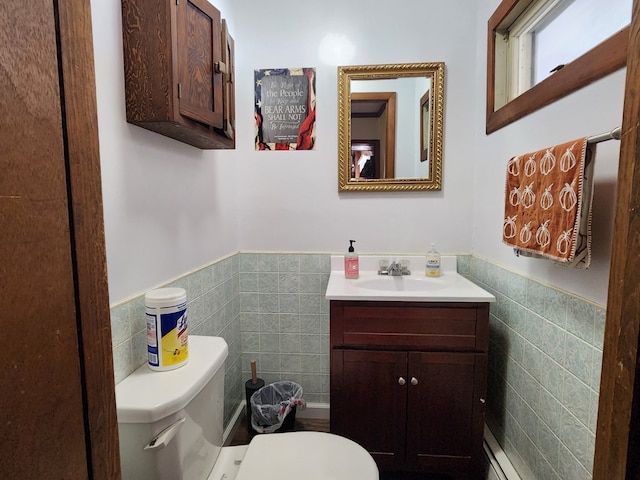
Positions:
{"x": 408, "y": 383}
{"x": 179, "y": 78}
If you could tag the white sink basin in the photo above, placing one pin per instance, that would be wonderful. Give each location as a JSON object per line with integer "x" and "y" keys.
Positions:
{"x": 405, "y": 283}
{"x": 449, "y": 287}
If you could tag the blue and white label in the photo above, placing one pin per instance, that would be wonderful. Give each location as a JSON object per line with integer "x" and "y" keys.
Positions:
{"x": 167, "y": 346}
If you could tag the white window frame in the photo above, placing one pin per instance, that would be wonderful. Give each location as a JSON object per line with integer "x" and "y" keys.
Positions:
{"x": 514, "y": 54}
{"x": 520, "y": 44}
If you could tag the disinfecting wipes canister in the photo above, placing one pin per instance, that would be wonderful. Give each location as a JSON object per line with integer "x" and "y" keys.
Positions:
{"x": 166, "y": 311}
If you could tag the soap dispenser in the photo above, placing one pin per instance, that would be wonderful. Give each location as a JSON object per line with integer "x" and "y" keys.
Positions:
{"x": 351, "y": 262}
{"x": 432, "y": 266}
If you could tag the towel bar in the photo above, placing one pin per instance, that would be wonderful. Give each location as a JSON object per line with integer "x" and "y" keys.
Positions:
{"x": 614, "y": 134}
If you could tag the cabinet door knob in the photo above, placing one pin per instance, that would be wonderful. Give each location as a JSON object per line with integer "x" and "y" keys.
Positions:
{"x": 482, "y": 400}
{"x": 402, "y": 381}
{"x": 414, "y": 381}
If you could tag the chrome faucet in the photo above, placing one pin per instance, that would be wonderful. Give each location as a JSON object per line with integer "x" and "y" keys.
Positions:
{"x": 395, "y": 269}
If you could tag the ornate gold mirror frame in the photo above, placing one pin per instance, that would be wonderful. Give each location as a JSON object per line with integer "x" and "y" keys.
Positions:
{"x": 433, "y": 180}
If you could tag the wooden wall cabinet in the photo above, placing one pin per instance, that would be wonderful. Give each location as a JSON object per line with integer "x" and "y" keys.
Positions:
{"x": 179, "y": 78}
{"x": 408, "y": 383}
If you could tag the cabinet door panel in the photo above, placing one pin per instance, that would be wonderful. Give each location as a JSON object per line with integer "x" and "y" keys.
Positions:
{"x": 370, "y": 404}
{"x": 451, "y": 383}
{"x": 199, "y": 38}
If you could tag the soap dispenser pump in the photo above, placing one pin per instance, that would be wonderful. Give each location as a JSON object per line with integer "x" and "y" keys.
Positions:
{"x": 351, "y": 262}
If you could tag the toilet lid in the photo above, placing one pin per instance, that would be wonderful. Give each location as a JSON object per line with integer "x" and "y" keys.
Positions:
{"x": 308, "y": 455}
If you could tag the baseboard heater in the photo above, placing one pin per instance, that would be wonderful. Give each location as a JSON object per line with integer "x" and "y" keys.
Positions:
{"x": 500, "y": 468}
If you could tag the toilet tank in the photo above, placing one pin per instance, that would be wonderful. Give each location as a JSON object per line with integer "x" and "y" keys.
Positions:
{"x": 170, "y": 423}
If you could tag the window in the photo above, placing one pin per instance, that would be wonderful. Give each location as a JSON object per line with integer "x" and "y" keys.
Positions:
{"x": 585, "y": 22}
{"x": 533, "y": 41}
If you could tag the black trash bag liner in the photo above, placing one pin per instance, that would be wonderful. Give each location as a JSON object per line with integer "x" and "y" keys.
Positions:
{"x": 272, "y": 403}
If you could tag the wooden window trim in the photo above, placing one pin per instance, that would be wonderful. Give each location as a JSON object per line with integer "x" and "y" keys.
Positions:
{"x": 603, "y": 59}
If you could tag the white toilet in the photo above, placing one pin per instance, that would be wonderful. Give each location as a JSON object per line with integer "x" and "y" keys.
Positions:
{"x": 170, "y": 426}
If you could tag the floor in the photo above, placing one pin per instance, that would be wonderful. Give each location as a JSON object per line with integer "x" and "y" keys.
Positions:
{"x": 240, "y": 436}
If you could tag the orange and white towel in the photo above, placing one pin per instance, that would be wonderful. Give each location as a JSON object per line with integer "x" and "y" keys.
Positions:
{"x": 548, "y": 197}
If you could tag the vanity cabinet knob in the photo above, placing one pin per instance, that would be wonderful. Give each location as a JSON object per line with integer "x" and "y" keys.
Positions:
{"x": 402, "y": 381}
{"x": 414, "y": 381}
{"x": 482, "y": 400}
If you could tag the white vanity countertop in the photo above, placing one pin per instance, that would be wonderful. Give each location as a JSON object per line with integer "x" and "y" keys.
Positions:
{"x": 450, "y": 286}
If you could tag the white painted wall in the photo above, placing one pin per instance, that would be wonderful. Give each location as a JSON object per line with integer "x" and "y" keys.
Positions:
{"x": 289, "y": 201}
{"x": 589, "y": 111}
{"x": 170, "y": 208}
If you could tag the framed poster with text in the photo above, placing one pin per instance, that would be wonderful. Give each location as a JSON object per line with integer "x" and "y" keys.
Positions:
{"x": 285, "y": 109}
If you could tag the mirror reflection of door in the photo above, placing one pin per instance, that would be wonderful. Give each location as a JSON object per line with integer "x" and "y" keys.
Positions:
{"x": 425, "y": 126}
{"x": 373, "y": 117}
{"x": 365, "y": 159}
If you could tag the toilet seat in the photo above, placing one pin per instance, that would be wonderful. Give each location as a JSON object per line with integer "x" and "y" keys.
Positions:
{"x": 308, "y": 455}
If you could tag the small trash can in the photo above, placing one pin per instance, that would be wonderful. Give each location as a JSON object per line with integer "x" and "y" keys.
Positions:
{"x": 273, "y": 407}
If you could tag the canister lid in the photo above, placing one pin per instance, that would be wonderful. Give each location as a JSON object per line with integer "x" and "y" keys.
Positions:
{"x": 165, "y": 297}
{"x": 146, "y": 396}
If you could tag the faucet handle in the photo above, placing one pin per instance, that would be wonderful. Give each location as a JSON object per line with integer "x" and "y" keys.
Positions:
{"x": 405, "y": 267}
{"x": 383, "y": 267}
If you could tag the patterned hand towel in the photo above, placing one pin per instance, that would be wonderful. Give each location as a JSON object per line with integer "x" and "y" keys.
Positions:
{"x": 548, "y": 203}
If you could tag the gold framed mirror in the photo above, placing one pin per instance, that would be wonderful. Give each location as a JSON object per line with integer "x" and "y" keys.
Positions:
{"x": 390, "y": 127}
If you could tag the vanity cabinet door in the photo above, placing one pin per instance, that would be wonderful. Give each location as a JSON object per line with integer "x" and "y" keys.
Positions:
{"x": 446, "y": 411}
{"x": 408, "y": 383}
{"x": 368, "y": 402}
